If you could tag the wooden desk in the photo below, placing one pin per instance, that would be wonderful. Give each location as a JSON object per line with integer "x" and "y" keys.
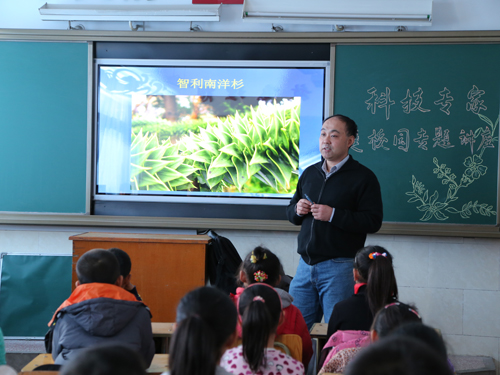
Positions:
{"x": 319, "y": 331}
{"x": 162, "y": 329}
{"x": 40, "y": 359}
{"x": 162, "y": 332}
{"x": 164, "y": 267}
{"x": 159, "y": 364}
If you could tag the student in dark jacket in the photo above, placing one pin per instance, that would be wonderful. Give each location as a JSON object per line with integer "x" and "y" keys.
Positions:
{"x": 100, "y": 311}
{"x": 375, "y": 286}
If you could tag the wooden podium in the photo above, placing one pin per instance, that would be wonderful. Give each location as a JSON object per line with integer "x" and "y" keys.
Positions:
{"x": 164, "y": 267}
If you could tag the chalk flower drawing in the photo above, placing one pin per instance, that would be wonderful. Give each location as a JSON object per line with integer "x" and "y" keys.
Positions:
{"x": 474, "y": 170}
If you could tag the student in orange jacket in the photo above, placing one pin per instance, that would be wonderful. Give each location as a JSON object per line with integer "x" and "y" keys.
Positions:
{"x": 100, "y": 311}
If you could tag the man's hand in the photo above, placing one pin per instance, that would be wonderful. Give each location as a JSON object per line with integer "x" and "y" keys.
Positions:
{"x": 303, "y": 207}
{"x": 321, "y": 212}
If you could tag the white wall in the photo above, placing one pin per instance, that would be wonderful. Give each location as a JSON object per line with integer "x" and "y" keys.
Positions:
{"x": 448, "y": 15}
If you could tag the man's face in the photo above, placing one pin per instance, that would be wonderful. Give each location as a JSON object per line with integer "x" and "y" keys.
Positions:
{"x": 334, "y": 142}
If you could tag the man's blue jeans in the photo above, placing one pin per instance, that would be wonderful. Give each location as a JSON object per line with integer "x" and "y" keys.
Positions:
{"x": 316, "y": 289}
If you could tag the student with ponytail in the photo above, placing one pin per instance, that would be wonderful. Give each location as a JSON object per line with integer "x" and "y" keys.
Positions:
{"x": 206, "y": 327}
{"x": 375, "y": 286}
{"x": 261, "y": 265}
{"x": 259, "y": 308}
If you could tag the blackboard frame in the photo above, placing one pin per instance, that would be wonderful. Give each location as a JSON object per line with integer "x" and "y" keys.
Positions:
{"x": 357, "y": 66}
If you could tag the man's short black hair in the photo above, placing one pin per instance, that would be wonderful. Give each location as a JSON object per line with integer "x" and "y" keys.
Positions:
{"x": 350, "y": 126}
{"x": 123, "y": 260}
{"x": 97, "y": 266}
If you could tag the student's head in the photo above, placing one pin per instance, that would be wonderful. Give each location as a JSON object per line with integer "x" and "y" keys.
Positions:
{"x": 7, "y": 370}
{"x": 98, "y": 266}
{"x": 206, "y": 325}
{"x": 424, "y": 333}
{"x": 123, "y": 261}
{"x": 392, "y": 316}
{"x": 260, "y": 266}
{"x": 398, "y": 356}
{"x": 108, "y": 359}
{"x": 373, "y": 266}
{"x": 259, "y": 307}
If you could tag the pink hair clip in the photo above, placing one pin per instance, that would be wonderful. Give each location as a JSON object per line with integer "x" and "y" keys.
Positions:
{"x": 259, "y": 298}
{"x": 409, "y": 308}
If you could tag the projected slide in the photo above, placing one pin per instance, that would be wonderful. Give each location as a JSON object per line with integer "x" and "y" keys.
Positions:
{"x": 206, "y": 131}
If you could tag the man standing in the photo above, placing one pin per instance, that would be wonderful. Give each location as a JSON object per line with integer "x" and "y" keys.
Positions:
{"x": 337, "y": 202}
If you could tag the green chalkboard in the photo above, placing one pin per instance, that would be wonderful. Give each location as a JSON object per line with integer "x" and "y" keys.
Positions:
{"x": 32, "y": 288}
{"x": 43, "y": 122}
{"x": 428, "y": 127}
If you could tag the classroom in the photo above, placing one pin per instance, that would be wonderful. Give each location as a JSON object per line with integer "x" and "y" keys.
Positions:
{"x": 64, "y": 182}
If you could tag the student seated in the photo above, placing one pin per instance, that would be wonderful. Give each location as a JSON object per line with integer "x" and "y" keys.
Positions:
{"x": 100, "y": 311}
{"x": 206, "y": 327}
{"x": 428, "y": 336}
{"x": 263, "y": 266}
{"x": 375, "y": 286}
{"x": 260, "y": 310}
{"x": 125, "y": 267}
{"x": 105, "y": 359}
{"x": 398, "y": 356}
{"x": 386, "y": 320}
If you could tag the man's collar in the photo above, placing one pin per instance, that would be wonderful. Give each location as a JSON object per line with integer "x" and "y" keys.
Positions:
{"x": 336, "y": 167}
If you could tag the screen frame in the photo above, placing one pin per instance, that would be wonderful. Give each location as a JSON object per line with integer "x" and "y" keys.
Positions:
{"x": 100, "y": 200}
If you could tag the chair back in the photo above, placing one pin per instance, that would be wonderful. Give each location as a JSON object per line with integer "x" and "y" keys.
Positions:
{"x": 294, "y": 344}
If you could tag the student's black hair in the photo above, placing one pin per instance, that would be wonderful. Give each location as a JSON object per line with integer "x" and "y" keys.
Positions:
{"x": 398, "y": 356}
{"x": 374, "y": 264}
{"x": 123, "y": 260}
{"x": 105, "y": 359}
{"x": 97, "y": 266}
{"x": 350, "y": 126}
{"x": 392, "y": 316}
{"x": 424, "y": 333}
{"x": 260, "y": 308}
{"x": 206, "y": 318}
{"x": 264, "y": 261}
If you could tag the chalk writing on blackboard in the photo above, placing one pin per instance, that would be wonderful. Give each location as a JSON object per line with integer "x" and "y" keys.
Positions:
{"x": 402, "y": 139}
{"x": 467, "y": 138}
{"x": 442, "y": 138}
{"x": 355, "y": 145}
{"x": 475, "y": 104}
{"x": 377, "y": 140}
{"x": 422, "y": 139}
{"x": 413, "y": 102}
{"x": 445, "y": 101}
{"x": 474, "y": 170}
{"x": 380, "y": 101}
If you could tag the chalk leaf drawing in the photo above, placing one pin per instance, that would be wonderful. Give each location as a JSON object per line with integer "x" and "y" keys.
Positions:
{"x": 474, "y": 170}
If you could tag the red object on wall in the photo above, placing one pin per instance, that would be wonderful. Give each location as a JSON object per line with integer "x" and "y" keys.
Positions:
{"x": 217, "y": 1}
